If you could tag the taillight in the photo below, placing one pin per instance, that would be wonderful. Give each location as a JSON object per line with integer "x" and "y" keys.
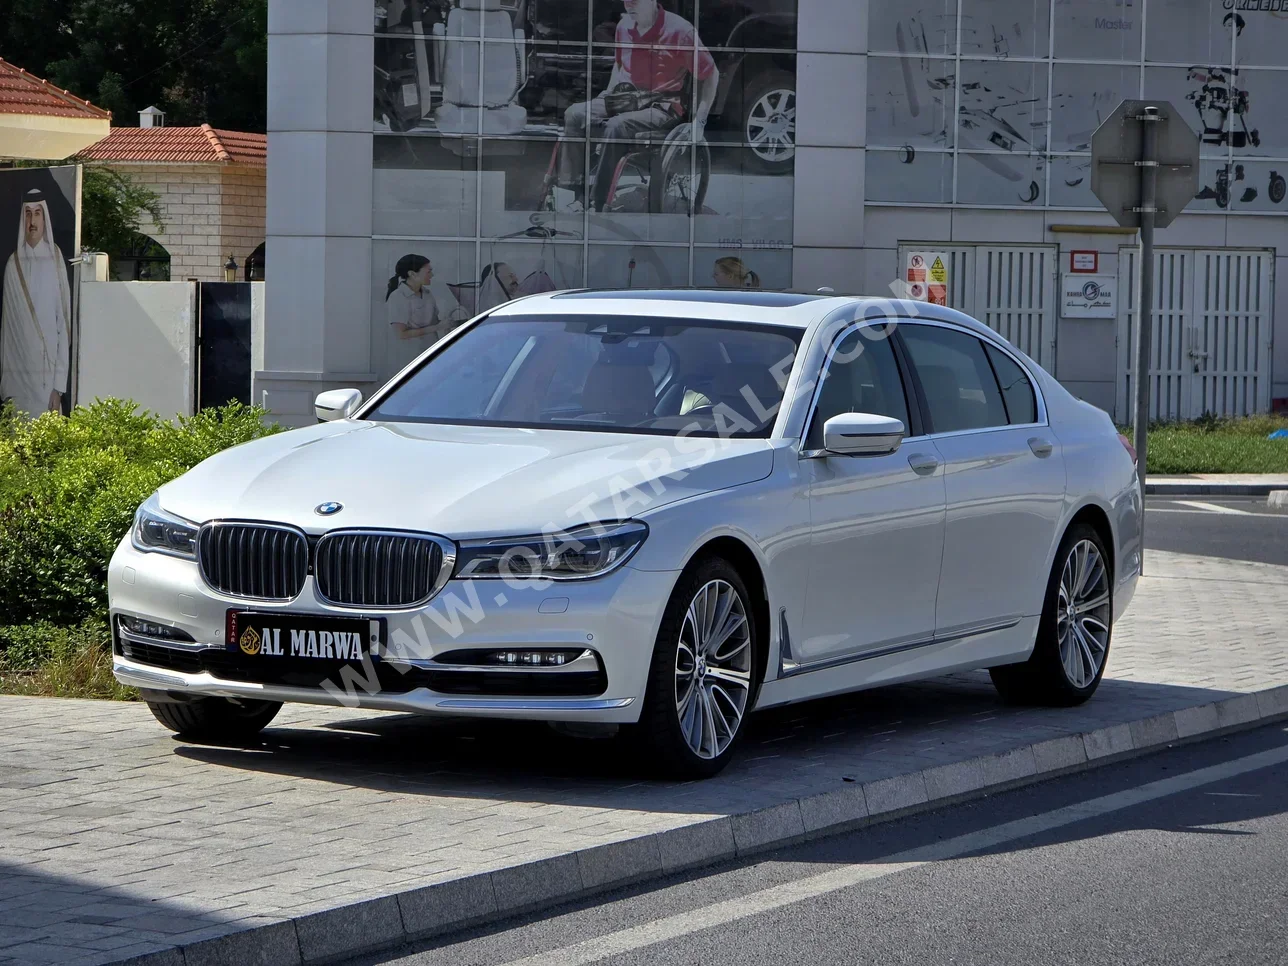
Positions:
{"x": 1131, "y": 450}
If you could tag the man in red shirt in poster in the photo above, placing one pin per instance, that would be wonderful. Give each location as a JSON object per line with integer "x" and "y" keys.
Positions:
{"x": 656, "y": 51}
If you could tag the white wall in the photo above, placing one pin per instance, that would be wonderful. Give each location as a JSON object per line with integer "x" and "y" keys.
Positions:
{"x": 138, "y": 341}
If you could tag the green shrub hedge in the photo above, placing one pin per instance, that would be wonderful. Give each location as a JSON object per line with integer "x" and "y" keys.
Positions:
{"x": 68, "y": 491}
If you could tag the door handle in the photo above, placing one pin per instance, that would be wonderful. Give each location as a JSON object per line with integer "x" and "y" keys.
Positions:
{"x": 923, "y": 464}
{"x": 1042, "y": 448}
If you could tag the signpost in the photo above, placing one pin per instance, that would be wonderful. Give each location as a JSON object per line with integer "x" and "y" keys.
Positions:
{"x": 1144, "y": 170}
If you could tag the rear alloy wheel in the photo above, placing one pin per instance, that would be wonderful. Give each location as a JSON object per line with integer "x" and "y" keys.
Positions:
{"x": 702, "y": 681}
{"x": 1073, "y": 636}
{"x": 217, "y": 720}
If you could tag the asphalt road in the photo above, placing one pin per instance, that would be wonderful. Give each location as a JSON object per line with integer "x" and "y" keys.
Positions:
{"x": 1174, "y": 858}
{"x": 1237, "y": 529}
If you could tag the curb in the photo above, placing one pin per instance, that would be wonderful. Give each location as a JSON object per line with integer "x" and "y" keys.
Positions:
{"x": 1187, "y": 488}
{"x": 422, "y": 913}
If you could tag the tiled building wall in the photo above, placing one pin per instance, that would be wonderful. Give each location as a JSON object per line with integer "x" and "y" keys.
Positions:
{"x": 209, "y": 212}
{"x": 243, "y": 213}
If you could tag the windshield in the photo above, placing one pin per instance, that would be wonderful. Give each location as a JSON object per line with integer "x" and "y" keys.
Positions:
{"x": 605, "y": 374}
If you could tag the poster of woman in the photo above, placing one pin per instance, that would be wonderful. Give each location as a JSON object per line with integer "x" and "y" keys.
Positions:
{"x": 38, "y": 205}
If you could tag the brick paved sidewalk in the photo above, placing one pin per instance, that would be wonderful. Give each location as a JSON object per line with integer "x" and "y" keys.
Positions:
{"x": 117, "y": 840}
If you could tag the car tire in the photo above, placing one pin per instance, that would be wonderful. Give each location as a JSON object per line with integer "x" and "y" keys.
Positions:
{"x": 703, "y": 679}
{"x": 1075, "y": 629}
{"x": 754, "y": 105}
{"x": 215, "y": 719}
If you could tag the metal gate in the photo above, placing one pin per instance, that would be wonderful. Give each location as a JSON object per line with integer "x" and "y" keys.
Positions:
{"x": 223, "y": 343}
{"x": 1211, "y": 332}
{"x": 1011, "y": 289}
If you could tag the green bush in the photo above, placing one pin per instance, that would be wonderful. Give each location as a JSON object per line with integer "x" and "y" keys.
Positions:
{"x": 70, "y": 662}
{"x": 68, "y": 491}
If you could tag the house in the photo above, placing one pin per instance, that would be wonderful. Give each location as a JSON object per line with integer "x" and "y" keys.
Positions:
{"x": 40, "y": 121}
{"x": 212, "y": 189}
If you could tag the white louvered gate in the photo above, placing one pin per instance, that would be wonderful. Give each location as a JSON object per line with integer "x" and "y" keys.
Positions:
{"x": 1211, "y": 333}
{"x": 1010, "y": 289}
{"x": 1015, "y": 296}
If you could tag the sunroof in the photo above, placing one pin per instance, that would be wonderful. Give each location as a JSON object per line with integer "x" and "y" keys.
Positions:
{"x": 769, "y": 300}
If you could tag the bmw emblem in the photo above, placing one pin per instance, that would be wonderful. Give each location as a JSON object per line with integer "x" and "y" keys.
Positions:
{"x": 330, "y": 508}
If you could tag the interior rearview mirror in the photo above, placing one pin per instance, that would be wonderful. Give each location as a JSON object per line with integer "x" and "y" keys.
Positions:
{"x": 862, "y": 434}
{"x": 336, "y": 404}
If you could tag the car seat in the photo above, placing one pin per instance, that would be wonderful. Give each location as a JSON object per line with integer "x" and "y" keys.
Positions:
{"x": 624, "y": 389}
{"x": 501, "y": 61}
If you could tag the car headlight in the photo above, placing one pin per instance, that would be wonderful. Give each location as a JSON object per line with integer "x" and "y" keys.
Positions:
{"x": 156, "y": 531}
{"x": 583, "y": 552}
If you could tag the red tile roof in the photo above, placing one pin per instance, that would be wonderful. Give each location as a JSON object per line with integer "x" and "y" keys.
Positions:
{"x": 23, "y": 93}
{"x": 179, "y": 145}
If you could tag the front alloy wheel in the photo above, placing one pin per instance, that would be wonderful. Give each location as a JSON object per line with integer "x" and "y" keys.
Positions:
{"x": 713, "y": 669}
{"x": 702, "y": 680}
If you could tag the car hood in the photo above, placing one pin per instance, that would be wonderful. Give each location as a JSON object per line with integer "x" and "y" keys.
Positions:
{"x": 460, "y": 481}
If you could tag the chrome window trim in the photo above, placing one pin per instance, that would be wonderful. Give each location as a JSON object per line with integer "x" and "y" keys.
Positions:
{"x": 445, "y": 569}
{"x": 990, "y": 339}
{"x": 285, "y": 527}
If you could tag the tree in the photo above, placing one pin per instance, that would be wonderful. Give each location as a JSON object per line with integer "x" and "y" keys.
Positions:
{"x": 200, "y": 61}
{"x": 113, "y": 209}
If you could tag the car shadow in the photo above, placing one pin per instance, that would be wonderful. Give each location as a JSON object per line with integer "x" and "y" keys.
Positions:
{"x": 787, "y": 752}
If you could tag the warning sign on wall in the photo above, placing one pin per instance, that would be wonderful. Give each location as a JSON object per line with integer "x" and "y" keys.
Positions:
{"x": 926, "y": 275}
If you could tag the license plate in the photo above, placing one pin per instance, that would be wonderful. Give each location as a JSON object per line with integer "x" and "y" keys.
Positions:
{"x": 297, "y": 637}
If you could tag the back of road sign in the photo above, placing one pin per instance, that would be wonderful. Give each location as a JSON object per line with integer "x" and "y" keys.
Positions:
{"x": 1115, "y": 163}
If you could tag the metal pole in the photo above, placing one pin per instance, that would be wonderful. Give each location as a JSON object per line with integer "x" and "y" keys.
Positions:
{"x": 1149, "y": 119}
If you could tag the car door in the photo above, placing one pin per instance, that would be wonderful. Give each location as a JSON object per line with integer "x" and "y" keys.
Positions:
{"x": 1004, "y": 476}
{"x": 877, "y": 522}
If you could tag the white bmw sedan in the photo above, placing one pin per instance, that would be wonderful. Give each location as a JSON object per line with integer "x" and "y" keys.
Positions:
{"x": 660, "y": 510}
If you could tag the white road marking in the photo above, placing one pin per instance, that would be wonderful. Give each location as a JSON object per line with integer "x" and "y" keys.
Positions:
{"x": 1232, "y": 794}
{"x": 744, "y": 907}
{"x": 1214, "y": 508}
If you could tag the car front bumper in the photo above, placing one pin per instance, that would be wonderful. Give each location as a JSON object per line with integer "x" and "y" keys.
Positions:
{"x": 615, "y": 618}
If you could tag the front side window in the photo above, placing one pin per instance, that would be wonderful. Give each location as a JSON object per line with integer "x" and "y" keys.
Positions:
{"x": 956, "y": 377}
{"x": 604, "y": 374}
{"x": 862, "y": 376}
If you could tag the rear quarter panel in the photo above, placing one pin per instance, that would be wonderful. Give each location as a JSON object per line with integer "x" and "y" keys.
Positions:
{"x": 1098, "y": 473}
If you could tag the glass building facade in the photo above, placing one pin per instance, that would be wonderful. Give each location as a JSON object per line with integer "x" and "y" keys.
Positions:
{"x": 1028, "y": 82}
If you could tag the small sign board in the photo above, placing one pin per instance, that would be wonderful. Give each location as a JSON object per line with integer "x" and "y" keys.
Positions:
{"x": 1084, "y": 261}
{"x": 926, "y": 277}
{"x": 1085, "y": 296}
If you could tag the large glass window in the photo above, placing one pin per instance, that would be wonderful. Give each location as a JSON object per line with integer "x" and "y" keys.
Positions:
{"x": 995, "y": 101}
{"x": 632, "y": 135}
{"x": 611, "y": 374}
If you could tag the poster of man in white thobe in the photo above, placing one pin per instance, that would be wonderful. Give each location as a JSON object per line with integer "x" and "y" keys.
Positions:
{"x": 35, "y": 303}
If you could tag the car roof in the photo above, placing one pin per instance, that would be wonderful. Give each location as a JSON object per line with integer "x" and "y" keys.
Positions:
{"x": 734, "y": 305}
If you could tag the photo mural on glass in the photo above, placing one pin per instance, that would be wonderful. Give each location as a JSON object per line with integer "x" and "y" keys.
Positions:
{"x": 562, "y": 143}
{"x": 963, "y": 87}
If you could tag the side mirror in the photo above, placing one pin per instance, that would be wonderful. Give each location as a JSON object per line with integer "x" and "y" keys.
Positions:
{"x": 862, "y": 434}
{"x": 336, "y": 404}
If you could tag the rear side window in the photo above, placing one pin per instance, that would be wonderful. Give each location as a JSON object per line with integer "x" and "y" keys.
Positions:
{"x": 1017, "y": 391}
{"x": 957, "y": 378}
